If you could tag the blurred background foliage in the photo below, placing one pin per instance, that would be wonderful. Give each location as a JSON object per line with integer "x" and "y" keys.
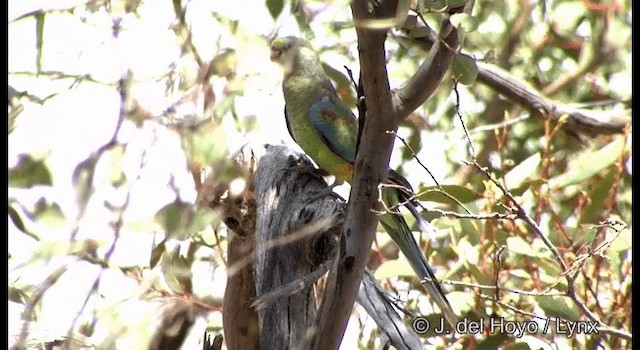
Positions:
{"x": 118, "y": 110}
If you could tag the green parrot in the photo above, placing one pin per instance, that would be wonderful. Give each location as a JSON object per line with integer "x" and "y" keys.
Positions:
{"x": 326, "y": 129}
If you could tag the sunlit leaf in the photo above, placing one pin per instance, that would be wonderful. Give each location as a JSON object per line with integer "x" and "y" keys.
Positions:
{"x": 621, "y": 242}
{"x": 394, "y": 268}
{"x": 225, "y": 63}
{"x": 49, "y": 214}
{"x": 559, "y": 307}
{"x": 463, "y": 20}
{"x": 518, "y": 245}
{"x": 589, "y": 163}
{"x": 526, "y": 169}
{"x": 520, "y": 273}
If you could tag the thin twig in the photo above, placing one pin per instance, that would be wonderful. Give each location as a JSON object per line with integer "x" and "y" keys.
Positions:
{"x": 415, "y": 156}
{"x": 456, "y": 106}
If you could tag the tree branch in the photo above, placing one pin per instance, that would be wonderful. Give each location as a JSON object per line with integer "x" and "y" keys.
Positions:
{"x": 520, "y": 92}
{"x": 417, "y": 89}
{"x": 372, "y": 161}
{"x": 579, "y": 119}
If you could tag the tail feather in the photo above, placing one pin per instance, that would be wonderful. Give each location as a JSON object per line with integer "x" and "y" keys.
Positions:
{"x": 400, "y": 232}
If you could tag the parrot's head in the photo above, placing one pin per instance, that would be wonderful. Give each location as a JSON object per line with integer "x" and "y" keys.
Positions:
{"x": 287, "y": 50}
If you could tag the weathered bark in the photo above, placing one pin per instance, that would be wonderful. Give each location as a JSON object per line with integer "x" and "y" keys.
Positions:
{"x": 295, "y": 231}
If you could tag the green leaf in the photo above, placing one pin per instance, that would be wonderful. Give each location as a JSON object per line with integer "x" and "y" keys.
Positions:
{"x": 557, "y": 306}
{"x": 419, "y": 32}
{"x": 525, "y": 186}
{"x": 49, "y": 214}
{"x": 471, "y": 256}
{"x": 622, "y": 242}
{"x": 517, "y": 346}
{"x": 493, "y": 341}
{"x": 534, "y": 342}
{"x": 432, "y": 5}
{"x": 39, "y": 41}
{"x": 204, "y": 144}
{"x": 17, "y": 295}
{"x": 464, "y": 69}
{"x": 588, "y": 164}
{"x": 452, "y": 4}
{"x": 224, "y": 64}
{"x": 597, "y": 198}
{"x": 520, "y": 273}
{"x": 16, "y": 219}
{"x": 552, "y": 273}
{"x": 461, "y": 193}
{"x": 87, "y": 328}
{"x": 173, "y": 217}
{"x": 275, "y": 7}
{"x": 29, "y": 172}
{"x": 156, "y": 253}
{"x": 176, "y": 271}
{"x": 83, "y": 178}
{"x": 181, "y": 220}
{"x": 410, "y": 22}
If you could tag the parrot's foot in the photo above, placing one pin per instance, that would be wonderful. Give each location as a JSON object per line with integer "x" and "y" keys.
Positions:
{"x": 327, "y": 191}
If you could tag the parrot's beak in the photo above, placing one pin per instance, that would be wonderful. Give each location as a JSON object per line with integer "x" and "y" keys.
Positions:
{"x": 275, "y": 54}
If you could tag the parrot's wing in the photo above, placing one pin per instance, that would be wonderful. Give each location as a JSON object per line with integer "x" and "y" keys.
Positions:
{"x": 337, "y": 127}
{"x": 286, "y": 119}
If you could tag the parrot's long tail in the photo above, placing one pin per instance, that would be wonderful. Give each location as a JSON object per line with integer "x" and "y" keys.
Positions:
{"x": 400, "y": 232}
